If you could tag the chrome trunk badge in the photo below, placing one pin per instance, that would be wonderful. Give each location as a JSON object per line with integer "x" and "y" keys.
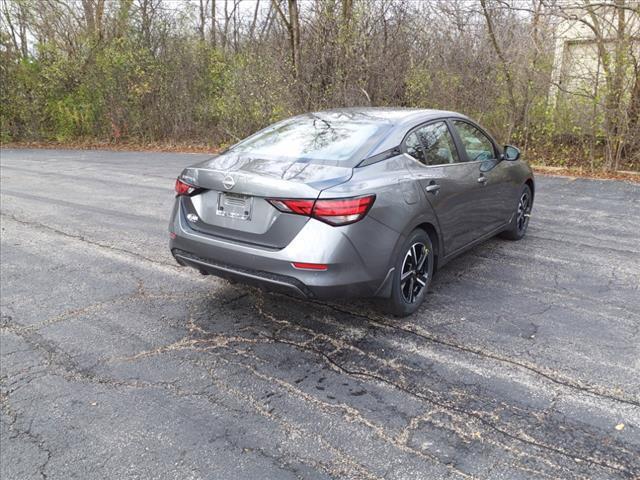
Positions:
{"x": 228, "y": 182}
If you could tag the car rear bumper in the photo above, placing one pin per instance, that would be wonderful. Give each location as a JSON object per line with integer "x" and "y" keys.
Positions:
{"x": 347, "y": 274}
{"x": 252, "y": 277}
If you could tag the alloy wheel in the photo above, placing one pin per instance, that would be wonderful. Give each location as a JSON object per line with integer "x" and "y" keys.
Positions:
{"x": 415, "y": 268}
{"x": 524, "y": 209}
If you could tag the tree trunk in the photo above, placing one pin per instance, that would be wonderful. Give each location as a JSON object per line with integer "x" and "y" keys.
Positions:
{"x": 203, "y": 18}
{"x": 252, "y": 29}
{"x": 616, "y": 136}
{"x": 226, "y": 25}
{"x": 293, "y": 28}
{"x": 294, "y": 21}
{"x": 213, "y": 23}
{"x": 633, "y": 114}
{"x": 93, "y": 11}
{"x": 347, "y": 10}
{"x": 514, "y": 121}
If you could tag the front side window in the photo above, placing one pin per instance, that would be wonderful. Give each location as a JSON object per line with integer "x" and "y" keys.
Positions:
{"x": 476, "y": 144}
{"x": 432, "y": 145}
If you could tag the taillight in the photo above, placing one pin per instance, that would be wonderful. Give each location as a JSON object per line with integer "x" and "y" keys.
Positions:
{"x": 301, "y": 207}
{"x": 183, "y": 188}
{"x": 335, "y": 211}
{"x": 342, "y": 211}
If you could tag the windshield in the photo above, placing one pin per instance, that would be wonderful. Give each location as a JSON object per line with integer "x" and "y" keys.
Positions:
{"x": 314, "y": 137}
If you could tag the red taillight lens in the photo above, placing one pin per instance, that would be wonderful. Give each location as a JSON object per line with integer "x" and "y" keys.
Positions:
{"x": 336, "y": 211}
{"x": 183, "y": 188}
{"x": 301, "y": 207}
{"x": 344, "y": 210}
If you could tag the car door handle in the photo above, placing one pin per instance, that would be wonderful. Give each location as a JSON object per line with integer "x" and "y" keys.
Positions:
{"x": 482, "y": 179}
{"x": 433, "y": 188}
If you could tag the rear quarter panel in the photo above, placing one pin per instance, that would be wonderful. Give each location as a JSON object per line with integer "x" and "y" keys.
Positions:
{"x": 399, "y": 207}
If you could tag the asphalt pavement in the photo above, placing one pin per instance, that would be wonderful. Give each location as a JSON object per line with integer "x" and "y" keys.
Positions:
{"x": 523, "y": 363}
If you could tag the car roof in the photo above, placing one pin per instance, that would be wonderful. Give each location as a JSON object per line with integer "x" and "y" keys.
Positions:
{"x": 389, "y": 115}
{"x": 398, "y": 120}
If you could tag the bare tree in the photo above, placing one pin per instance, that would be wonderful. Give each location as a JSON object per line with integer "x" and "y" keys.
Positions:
{"x": 614, "y": 27}
{"x": 292, "y": 24}
{"x": 202, "y": 17}
{"x": 202, "y": 68}
{"x": 214, "y": 23}
{"x": 93, "y": 11}
{"x": 15, "y": 16}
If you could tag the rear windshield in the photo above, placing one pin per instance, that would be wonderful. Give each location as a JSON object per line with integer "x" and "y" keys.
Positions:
{"x": 326, "y": 137}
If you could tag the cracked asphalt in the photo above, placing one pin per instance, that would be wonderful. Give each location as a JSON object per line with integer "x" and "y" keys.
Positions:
{"x": 116, "y": 363}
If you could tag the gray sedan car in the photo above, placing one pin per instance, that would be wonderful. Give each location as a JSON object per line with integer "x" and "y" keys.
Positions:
{"x": 353, "y": 202}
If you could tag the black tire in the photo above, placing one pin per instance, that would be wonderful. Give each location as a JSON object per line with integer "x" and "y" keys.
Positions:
{"x": 518, "y": 227}
{"x": 408, "y": 294}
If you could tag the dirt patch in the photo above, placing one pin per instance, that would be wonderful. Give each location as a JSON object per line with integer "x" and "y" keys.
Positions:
{"x": 120, "y": 146}
{"x": 584, "y": 173}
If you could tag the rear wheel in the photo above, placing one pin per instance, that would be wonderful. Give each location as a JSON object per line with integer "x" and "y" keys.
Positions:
{"x": 412, "y": 275}
{"x": 520, "y": 222}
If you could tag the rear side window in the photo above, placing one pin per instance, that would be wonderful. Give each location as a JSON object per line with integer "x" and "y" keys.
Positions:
{"x": 432, "y": 145}
{"x": 414, "y": 147}
{"x": 476, "y": 144}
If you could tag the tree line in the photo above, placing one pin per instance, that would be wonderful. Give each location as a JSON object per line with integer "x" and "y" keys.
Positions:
{"x": 560, "y": 78}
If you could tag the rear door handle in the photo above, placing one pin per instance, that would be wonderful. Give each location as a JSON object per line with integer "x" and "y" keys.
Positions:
{"x": 482, "y": 179}
{"x": 433, "y": 188}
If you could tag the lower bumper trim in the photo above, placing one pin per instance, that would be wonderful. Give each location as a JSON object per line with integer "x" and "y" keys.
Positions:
{"x": 243, "y": 275}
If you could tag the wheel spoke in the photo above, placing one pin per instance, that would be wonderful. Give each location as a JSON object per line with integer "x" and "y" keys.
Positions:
{"x": 523, "y": 210}
{"x": 405, "y": 275}
{"x": 422, "y": 259}
{"x": 413, "y": 279}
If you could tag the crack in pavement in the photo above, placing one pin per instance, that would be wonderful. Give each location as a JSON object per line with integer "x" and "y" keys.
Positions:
{"x": 420, "y": 333}
{"x": 570, "y": 383}
{"x": 222, "y": 341}
{"x": 216, "y": 341}
{"x": 82, "y": 238}
{"x": 73, "y": 372}
{"x": 358, "y": 373}
{"x": 31, "y": 437}
{"x": 350, "y": 413}
{"x": 516, "y": 429}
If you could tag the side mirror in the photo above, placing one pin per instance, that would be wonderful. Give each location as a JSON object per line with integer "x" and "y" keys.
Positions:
{"x": 511, "y": 153}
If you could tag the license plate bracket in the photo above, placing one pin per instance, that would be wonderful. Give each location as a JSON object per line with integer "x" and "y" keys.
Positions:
{"x": 234, "y": 205}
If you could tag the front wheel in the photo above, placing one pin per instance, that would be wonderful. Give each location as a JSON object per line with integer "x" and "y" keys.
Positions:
{"x": 520, "y": 222}
{"x": 412, "y": 275}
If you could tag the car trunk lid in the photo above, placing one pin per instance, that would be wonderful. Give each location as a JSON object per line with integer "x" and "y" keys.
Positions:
{"x": 231, "y": 202}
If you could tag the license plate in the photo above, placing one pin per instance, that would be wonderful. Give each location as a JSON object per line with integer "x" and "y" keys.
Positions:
{"x": 234, "y": 206}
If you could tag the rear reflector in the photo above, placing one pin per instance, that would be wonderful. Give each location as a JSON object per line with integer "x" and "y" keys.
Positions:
{"x": 335, "y": 211}
{"x": 310, "y": 266}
